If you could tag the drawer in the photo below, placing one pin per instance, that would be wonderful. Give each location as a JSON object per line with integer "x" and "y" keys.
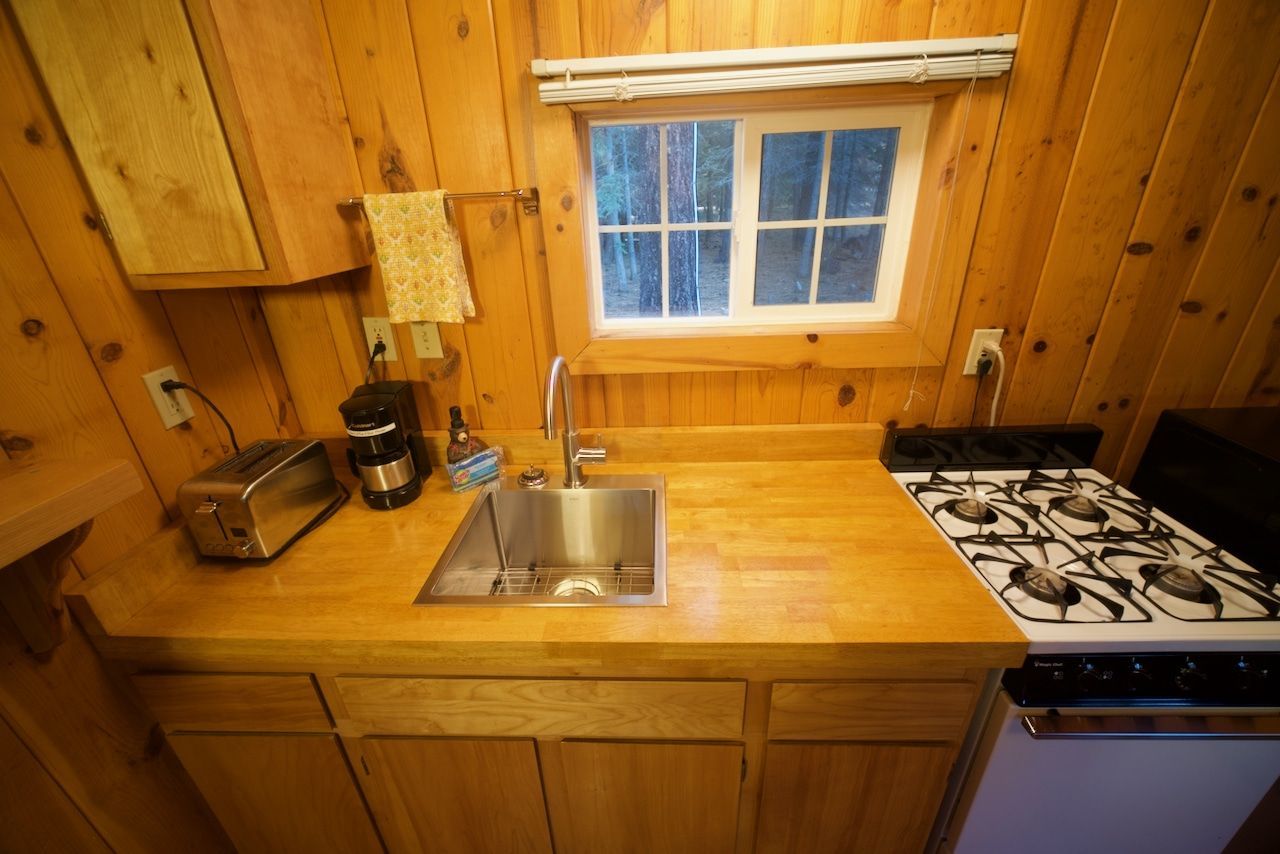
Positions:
{"x": 238, "y": 702}
{"x": 869, "y": 711}
{"x": 544, "y": 707}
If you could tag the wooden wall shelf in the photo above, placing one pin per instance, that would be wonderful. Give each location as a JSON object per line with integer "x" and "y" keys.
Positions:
{"x": 46, "y": 511}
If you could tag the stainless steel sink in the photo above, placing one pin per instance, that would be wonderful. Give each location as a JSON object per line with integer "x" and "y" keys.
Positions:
{"x": 604, "y": 543}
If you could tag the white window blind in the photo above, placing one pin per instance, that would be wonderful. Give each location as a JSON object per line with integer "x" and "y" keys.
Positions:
{"x": 626, "y": 78}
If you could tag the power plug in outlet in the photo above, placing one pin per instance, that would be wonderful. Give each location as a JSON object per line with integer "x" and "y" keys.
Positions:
{"x": 981, "y": 338}
{"x": 379, "y": 329}
{"x": 173, "y": 406}
{"x": 426, "y": 340}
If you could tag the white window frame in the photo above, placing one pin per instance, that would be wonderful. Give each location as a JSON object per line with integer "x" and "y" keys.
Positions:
{"x": 912, "y": 119}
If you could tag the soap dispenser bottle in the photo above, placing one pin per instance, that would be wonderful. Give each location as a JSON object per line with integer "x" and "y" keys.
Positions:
{"x": 461, "y": 443}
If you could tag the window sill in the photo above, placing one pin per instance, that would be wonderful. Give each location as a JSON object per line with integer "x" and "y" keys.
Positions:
{"x": 879, "y": 345}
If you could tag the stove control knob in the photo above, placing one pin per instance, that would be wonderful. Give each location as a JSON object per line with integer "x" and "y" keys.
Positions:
{"x": 1191, "y": 679}
{"x": 1248, "y": 679}
{"x": 1139, "y": 677}
{"x": 1088, "y": 678}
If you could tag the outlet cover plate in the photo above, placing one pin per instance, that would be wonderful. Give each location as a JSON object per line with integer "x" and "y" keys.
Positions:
{"x": 173, "y": 406}
{"x": 379, "y": 329}
{"x": 426, "y": 340}
{"x": 980, "y": 337}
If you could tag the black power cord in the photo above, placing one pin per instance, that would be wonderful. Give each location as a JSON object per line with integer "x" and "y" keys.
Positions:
{"x": 378, "y": 349}
{"x": 984, "y": 368}
{"x": 173, "y": 385}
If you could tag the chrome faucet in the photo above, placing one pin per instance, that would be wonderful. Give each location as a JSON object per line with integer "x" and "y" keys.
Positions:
{"x": 575, "y": 456}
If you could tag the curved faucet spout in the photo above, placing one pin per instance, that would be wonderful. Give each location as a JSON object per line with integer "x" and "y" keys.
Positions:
{"x": 574, "y": 454}
{"x": 557, "y": 374}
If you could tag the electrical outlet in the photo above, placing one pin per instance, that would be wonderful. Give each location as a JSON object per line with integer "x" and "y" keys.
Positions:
{"x": 173, "y": 406}
{"x": 379, "y": 329}
{"x": 980, "y": 338}
{"x": 426, "y": 340}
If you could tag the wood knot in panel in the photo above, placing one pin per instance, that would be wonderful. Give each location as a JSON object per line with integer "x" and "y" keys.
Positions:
{"x": 31, "y": 327}
{"x": 812, "y": 338}
{"x": 14, "y": 443}
{"x": 1191, "y": 307}
{"x": 497, "y": 216}
{"x": 32, "y": 134}
{"x": 846, "y": 395}
{"x": 464, "y": 27}
{"x": 111, "y": 351}
{"x": 1139, "y": 248}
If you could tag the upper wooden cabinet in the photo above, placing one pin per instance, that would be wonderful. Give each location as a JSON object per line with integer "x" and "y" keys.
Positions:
{"x": 209, "y": 133}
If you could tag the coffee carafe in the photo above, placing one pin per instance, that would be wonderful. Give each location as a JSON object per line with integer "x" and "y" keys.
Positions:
{"x": 388, "y": 452}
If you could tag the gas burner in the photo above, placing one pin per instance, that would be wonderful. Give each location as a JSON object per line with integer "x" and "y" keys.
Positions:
{"x": 1086, "y": 500}
{"x": 972, "y": 502}
{"x": 1183, "y": 582}
{"x": 1184, "y": 572}
{"x": 1041, "y": 582}
{"x": 1048, "y": 571}
{"x": 973, "y": 510}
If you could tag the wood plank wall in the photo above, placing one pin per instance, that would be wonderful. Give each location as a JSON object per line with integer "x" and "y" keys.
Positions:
{"x": 1125, "y": 240}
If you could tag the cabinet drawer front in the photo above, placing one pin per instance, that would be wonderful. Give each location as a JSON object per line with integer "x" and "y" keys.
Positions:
{"x": 869, "y": 711}
{"x": 544, "y": 707}
{"x": 240, "y": 702}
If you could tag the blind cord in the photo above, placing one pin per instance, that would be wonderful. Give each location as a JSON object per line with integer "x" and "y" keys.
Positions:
{"x": 912, "y": 393}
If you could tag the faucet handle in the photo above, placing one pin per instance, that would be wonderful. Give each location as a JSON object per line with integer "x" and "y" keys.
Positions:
{"x": 589, "y": 455}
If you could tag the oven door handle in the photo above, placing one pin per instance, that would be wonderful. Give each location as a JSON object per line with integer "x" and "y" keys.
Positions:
{"x": 1151, "y": 726}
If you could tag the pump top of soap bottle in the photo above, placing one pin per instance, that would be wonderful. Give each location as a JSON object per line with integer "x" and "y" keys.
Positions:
{"x": 461, "y": 443}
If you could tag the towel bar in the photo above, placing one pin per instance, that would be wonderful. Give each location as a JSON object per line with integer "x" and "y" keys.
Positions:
{"x": 528, "y": 197}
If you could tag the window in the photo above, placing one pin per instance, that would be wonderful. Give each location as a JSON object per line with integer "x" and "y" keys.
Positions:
{"x": 757, "y": 219}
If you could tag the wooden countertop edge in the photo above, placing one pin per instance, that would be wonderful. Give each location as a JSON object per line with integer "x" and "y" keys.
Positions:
{"x": 560, "y": 657}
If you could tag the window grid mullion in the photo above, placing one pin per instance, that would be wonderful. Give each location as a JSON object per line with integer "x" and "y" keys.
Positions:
{"x": 663, "y": 217}
{"x": 822, "y": 213}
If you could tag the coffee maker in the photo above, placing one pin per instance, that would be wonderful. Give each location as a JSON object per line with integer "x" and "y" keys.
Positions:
{"x": 388, "y": 452}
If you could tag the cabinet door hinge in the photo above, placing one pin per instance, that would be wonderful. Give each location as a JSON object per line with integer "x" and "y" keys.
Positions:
{"x": 106, "y": 229}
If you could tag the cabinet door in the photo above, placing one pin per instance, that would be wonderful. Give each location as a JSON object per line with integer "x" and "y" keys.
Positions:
{"x": 279, "y": 792}
{"x": 453, "y": 795}
{"x": 850, "y": 797}
{"x": 130, "y": 89}
{"x": 644, "y": 798}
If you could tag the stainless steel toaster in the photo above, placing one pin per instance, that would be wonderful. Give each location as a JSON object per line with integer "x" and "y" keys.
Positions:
{"x": 256, "y": 503}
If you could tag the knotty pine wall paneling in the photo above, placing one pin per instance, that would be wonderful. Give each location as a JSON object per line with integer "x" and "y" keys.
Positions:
{"x": 1212, "y": 119}
{"x": 1120, "y": 126}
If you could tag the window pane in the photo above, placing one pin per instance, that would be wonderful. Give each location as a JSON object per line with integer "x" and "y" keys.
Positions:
{"x": 790, "y": 175}
{"x": 699, "y": 273}
{"x": 631, "y": 264}
{"x": 861, "y": 172}
{"x": 784, "y": 264}
{"x": 850, "y": 260}
{"x": 624, "y": 162}
{"x": 700, "y": 171}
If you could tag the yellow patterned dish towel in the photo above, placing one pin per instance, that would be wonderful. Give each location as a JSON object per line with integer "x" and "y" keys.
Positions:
{"x": 421, "y": 257}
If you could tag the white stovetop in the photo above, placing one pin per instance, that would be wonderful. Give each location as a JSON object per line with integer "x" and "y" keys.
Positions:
{"x": 1147, "y": 622}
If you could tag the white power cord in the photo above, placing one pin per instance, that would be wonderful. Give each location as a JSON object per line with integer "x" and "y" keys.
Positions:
{"x": 994, "y": 349}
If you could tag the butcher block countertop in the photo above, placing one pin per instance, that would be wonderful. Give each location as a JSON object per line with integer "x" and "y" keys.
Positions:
{"x": 784, "y": 564}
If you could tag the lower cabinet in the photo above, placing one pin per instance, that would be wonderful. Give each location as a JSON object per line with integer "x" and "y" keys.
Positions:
{"x": 574, "y": 766}
{"x": 278, "y": 793}
{"x": 850, "y": 797}
{"x": 639, "y": 798}
{"x": 463, "y": 795}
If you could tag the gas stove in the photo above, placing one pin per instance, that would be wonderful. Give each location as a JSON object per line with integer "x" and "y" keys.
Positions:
{"x": 1082, "y": 565}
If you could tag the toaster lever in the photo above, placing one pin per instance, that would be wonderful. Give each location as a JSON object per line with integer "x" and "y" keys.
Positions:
{"x": 207, "y": 508}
